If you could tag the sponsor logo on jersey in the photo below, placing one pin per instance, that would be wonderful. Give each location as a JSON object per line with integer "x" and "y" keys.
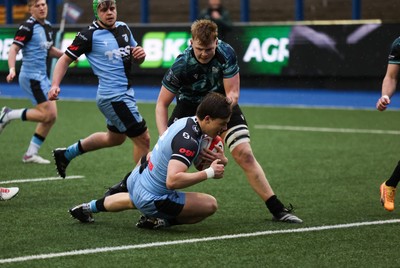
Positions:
{"x": 195, "y": 128}
{"x": 126, "y": 38}
{"x": 81, "y": 36}
{"x": 73, "y": 48}
{"x": 187, "y": 152}
{"x": 20, "y": 38}
{"x": 23, "y": 27}
{"x": 122, "y": 53}
{"x": 46, "y": 45}
{"x": 150, "y": 165}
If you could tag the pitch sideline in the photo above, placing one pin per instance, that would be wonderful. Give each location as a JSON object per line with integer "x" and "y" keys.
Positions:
{"x": 325, "y": 129}
{"x": 42, "y": 179}
{"x": 191, "y": 241}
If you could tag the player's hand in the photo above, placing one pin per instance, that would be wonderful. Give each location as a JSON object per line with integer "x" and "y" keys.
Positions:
{"x": 53, "y": 93}
{"x": 11, "y": 75}
{"x": 383, "y": 103}
{"x": 218, "y": 169}
{"x": 210, "y": 155}
{"x": 216, "y": 15}
{"x": 138, "y": 54}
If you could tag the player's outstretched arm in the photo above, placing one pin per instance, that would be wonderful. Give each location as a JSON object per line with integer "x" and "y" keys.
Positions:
{"x": 12, "y": 58}
{"x": 388, "y": 86}
{"x": 58, "y": 75}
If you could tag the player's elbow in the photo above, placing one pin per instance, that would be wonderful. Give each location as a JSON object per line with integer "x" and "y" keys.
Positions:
{"x": 170, "y": 183}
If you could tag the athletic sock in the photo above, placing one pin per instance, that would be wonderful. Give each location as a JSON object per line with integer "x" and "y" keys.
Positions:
{"x": 15, "y": 114}
{"x": 393, "y": 181}
{"x": 35, "y": 144}
{"x": 97, "y": 206}
{"x": 73, "y": 151}
{"x": 274, "y": 205}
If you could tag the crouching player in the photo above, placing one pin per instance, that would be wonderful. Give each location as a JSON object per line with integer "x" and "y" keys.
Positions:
{"x": 152, "y": 185}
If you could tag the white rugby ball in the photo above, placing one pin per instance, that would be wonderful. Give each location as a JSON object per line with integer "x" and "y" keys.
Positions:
{"x": 210, "y": 143}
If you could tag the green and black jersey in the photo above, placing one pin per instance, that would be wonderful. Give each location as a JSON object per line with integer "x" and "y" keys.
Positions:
{"x": 190, "y": 80}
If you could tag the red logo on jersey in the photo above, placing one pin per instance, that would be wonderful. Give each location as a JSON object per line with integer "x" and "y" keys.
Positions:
{"x": 20, "y": 38}
{"x": 73, "y": 48}
{"x": 186, "y": 152}
{"x": 150, "y": 165}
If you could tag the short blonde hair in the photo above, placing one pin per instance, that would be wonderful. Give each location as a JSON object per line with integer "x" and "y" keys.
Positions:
{"x": 33, "y": 2}
{"x": 204, "y": 31}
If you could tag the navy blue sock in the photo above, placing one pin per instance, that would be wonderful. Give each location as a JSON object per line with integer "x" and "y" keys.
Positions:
{"x": 274, "y": 205}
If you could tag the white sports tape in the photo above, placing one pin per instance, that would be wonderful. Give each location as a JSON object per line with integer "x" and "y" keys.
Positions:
{"x": 210, "y": 172}
{"x": 237, "y": 135}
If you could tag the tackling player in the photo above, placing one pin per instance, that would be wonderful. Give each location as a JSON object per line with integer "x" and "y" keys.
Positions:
{"x": 210, "y": 65}
{"x": 110, "y": 49}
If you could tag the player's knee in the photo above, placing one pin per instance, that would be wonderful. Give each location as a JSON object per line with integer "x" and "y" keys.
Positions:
{"x": 116, "y": 141}
{"x": 143, "y": 140}
{"x": 244, "y": 155}
{"x": 49, "y": 118}
{"x": 212, "y": 206}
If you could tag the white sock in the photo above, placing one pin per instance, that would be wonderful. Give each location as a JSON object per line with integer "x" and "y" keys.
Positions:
{"x": 14, "y": 114}
{"x": 32, "y": 149}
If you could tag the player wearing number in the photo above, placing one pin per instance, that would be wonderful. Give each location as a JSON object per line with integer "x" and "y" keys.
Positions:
{"x": 35, "y": 38}
{"x": 210, "y": 65}
{"x": 152, "y": 185}
{"x": 388, "y": 187}
{"x": 110, "y": 49}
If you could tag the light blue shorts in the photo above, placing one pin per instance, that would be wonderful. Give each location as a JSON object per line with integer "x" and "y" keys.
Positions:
{"x": 167, "y": 206}
{"x": 122, "y": 114}
{"x": 36, "y": 85}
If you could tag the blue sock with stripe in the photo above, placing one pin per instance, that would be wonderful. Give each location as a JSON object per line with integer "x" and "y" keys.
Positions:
{"x": 73, "y": 151}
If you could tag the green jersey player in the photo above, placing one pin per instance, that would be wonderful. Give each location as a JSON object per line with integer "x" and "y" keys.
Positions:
{"x": 210, "y": 65}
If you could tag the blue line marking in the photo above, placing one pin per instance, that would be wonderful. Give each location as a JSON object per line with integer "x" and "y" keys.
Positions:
{"x": 323, "y": 98}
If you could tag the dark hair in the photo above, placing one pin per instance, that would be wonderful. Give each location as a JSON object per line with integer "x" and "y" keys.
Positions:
{"x": 214, "y": 105}
{"x": 204, "y": 31}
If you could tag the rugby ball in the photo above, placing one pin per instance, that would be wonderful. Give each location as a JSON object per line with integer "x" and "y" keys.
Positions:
{"x": 210, "y": 143}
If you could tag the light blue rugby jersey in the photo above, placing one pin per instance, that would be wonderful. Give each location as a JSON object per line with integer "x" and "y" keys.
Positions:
{"x": 108, "y": 52}
{"x": 180, "y": 142}
{"x": 35, "y": 40}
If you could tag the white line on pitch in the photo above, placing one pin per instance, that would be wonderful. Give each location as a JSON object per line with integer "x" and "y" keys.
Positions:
{"x": 43, "y": 179}
{"x": 191, "y": 241}
{"x": 325, "y": 129}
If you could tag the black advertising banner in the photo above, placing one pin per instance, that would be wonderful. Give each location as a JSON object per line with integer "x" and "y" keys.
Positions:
{"x": 340, "y": 50}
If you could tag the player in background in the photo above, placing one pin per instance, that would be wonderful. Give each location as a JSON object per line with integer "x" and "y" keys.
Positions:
{"x": 210, "y": 65}
{"x": 152, "y": 187}
{"x": 388, "y": 187}
{"x": 8, "y": 193}
{"x": 216, "y": 12}
{"x": 35, "y": 38}
{"x": 111, "y": 50}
